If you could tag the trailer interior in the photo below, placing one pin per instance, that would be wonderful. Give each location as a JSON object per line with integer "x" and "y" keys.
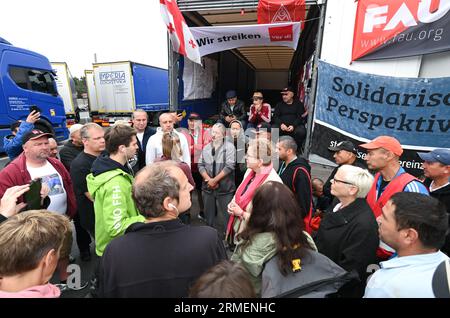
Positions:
{"x": 246, "y": 69}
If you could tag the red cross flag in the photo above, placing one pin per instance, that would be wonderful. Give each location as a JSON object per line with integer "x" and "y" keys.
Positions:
{"x": 181, "y": 37}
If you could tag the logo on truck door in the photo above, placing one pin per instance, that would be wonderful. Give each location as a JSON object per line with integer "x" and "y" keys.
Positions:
{"x": 114, "y": 77}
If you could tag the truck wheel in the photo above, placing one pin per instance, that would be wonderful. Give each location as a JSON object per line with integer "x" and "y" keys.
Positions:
{"x": 44, "y": 126}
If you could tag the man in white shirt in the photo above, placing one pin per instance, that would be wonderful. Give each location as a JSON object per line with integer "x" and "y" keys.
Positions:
{"x": 154, "y": 145}
{"x": 414, "y": 225}
{"x": 144, "y": 132}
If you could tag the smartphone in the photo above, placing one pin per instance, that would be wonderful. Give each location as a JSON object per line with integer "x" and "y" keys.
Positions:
{"x": 181, "y": 112}
{"x": 33, "y": 196}
{"x": 35, "y": 108}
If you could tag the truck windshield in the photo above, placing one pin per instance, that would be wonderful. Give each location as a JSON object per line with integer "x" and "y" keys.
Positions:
{"x": 33, "y": 80}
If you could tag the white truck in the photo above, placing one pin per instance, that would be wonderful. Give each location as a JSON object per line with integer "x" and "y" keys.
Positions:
{"x": 66, "y": 89}
{"x": 116, "y": 89}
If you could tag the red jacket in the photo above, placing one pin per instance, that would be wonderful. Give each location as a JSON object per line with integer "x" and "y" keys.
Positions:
{"x": 16, "y": 173}
{"x": 263, "y": 116}
{"x": 396, "y": 185}
{"x": 203, "y": 139}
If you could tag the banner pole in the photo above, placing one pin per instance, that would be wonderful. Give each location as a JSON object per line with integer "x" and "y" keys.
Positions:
{"x": 311, "y": 109}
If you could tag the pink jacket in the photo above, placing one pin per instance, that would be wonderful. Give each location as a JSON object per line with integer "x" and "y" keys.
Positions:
{"x": 41, "y": 291}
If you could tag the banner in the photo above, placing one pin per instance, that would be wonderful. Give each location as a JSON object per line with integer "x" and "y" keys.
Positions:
{"x": 221, "y": 38}
{"x": 180, "y": 36}
{"x": 362, "y": 106}
{"x": 400, "y": 28}
{"x": 278, "y": 11}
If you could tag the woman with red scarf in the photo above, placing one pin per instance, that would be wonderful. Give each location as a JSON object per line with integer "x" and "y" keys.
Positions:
{"x": 259, "y": 171}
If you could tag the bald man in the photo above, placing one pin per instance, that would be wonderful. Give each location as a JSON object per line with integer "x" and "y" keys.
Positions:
{"x": 154, "y": 145}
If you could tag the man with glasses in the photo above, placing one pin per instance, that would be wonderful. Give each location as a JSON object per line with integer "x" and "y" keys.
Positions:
{"x": 383, "y": 155}
{"x": 232, "y": 109}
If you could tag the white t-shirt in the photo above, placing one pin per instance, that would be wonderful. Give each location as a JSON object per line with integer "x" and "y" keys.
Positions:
{"x": 57, "y": 194}
{"x": 140, "y": 136}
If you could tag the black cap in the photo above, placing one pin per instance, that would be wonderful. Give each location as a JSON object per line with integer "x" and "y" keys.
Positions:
{"x": 287, "y": 89}
{"x": 344, "y": 145}
{"x": 231, "y": 94}
{"x": 34, "y": 134}
{"x": 194, "y": 116}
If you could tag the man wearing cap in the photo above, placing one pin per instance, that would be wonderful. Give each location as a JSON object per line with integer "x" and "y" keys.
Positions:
{"x": 344, "y": 154}
{"x": 289, "y": 117}
{"x": 260, "y": 112}
{"x": 33, "y": 163}
{"x": 144, "y": 132}
{"x": 383, "y": 155}
{"x": 436, "y": 168}
{"x": 232, "y": 109}
{"x": 72, "y": 147}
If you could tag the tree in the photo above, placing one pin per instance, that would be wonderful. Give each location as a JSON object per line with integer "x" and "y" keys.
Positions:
{"x": 80, "y": 85}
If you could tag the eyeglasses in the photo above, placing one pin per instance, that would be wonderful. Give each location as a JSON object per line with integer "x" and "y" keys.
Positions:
{"x": 344, "y": 182}
{"x": 257, "y": 98}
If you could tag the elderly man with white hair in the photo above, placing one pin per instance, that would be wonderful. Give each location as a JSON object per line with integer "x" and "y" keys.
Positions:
{"x": 72, "y": 147}
{"x": 154, "y": 146}
{"x": 348, "y": 233}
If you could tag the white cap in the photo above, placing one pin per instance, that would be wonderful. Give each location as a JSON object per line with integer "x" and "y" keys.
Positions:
{"x": 74, "y": 128}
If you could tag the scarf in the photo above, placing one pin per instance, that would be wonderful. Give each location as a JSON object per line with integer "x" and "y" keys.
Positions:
{"x": 245, "y": 192}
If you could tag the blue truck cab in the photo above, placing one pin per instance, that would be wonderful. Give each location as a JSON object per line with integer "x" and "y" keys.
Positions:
{"x": 27, "y": 79}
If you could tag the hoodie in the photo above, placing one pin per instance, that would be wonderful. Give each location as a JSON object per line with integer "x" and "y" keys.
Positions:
{"x": 301, "y": 184}
{"x": 40, "y": 291}
{"x": 109, "y": 184}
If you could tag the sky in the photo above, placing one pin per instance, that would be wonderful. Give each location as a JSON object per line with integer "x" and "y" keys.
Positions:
{"x": 73, "y": 31}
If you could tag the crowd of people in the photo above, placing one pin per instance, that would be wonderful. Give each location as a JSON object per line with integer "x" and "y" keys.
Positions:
{"x": 271, "y": 228}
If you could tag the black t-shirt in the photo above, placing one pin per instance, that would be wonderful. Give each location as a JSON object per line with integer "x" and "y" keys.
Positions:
{"x": 79, "y": 169}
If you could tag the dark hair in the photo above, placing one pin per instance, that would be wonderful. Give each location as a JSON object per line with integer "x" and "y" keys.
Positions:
{"x": 15, "y": 125}
{"x": 423, "y": 213}
{"x": 225, "y": 280}
{"x": 275, "y": 209}
{"x": 117, "y": 136}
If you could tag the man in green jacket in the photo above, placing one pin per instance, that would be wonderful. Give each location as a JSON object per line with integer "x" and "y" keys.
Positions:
{"x": 109, "y": 185}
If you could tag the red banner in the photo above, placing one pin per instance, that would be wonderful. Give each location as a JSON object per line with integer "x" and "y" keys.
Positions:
{"x": 277, "y": 11}
{"x": 396, "y": 28}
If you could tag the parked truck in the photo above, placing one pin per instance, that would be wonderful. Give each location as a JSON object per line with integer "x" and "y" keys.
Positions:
{"x": 66, "y": 89}
{"x": 27, "y": 79}
{"x": 327, "y": 35}
{"x": 116, "y": 89}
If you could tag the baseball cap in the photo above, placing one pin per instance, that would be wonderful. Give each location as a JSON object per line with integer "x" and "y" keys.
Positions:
{"x": 344, "y": 145}
{"x": 74, "y": 128}
{"x": 194, "y": 116}
{"x": 385, "y": 142}
{"x": 231, "y": 94}
{"x": 287, "y": 89}
{"x": 34, "y": 134}
{"x": 437, "y": 155}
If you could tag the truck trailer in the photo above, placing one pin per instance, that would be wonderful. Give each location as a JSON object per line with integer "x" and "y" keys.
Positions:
{"x": 116, "y": 89}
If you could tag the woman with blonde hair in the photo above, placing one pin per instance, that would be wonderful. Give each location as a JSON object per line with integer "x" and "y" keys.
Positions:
{"x": 259, "y": 171}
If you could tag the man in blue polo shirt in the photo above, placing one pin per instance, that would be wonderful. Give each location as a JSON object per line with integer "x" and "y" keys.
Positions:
{"x": 414, "y": 225}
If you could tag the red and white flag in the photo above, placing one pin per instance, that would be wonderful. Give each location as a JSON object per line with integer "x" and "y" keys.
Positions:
{"x": 181, "y": 37}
